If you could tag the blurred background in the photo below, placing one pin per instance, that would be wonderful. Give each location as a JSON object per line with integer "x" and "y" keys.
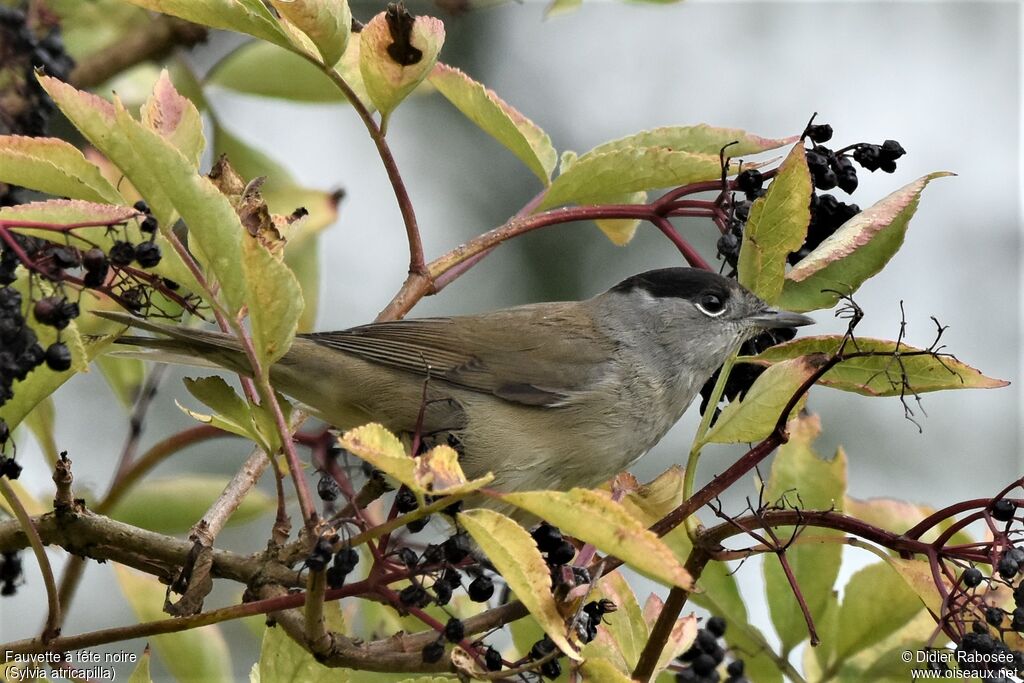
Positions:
{"x": 942, "y": 78}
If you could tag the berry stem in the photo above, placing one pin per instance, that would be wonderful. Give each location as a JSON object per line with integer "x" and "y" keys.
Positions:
{"x": 52, "y": 628}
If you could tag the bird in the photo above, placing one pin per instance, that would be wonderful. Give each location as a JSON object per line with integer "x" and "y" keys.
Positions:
{"x": 550, "y": 395}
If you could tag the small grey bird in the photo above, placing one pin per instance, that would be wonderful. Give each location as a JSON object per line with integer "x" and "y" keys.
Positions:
{"x": 548, "y": 395}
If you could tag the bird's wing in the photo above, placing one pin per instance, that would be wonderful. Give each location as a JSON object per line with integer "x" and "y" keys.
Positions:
{"x": 543, "y": 367}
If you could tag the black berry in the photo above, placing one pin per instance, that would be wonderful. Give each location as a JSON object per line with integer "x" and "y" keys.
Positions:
{"x": 148, "y": 254}
{"x": 1004, "y": 510}
{"x": 481, "y": 589}
{"x": 454, "y": 631}
{"x": 58, "y": 357}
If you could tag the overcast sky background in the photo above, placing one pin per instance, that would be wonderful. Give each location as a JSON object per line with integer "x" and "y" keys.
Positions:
{"x": 944, "y": 79}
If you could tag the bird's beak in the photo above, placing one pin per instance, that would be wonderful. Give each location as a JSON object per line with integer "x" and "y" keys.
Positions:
{"x": 772, "y": 319}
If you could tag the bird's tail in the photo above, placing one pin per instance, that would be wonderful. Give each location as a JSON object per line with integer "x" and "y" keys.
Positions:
{"x": 181, "y": 345}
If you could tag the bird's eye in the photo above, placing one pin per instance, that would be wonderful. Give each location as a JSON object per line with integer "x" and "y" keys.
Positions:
{"x": 711, "y": 305}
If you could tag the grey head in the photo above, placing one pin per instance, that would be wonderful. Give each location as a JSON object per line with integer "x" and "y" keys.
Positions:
{"x": 688, "y": 318}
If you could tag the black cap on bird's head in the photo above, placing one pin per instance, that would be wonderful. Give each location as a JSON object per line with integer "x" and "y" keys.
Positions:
{"x": 714, "y": 296}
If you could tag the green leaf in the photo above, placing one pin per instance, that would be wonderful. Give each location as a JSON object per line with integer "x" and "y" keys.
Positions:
{"x": 388, "y": 82}
{"x": 304, "y": 261}
{"x": 198, "y": 654}
{"x": 918, "y": 576}
{"x": 516, "y": 557}
{"x": 244, "y": 16}
{"x": 275, "y": 302}
{"x": 777, "y": 226}
{"x": 859, "y": 249}
{"x": 880, "y": 375}
{"x": 174, "y": 118}
{"x": 595, "y": 177}
{"x": 799, "y": 474}
{"x": 52, "y": 166}
{"x": 213, "y": 225}
{"x": 593, "y": 517}
{"x": 266, "y": 70}
{"x": 699, "y": 139}
{"x": 233, "y": 414}
{"x": 863, "y": 621}
{"x": 494, "y": 116}
{"x": 282, "y": 660}
{"x": 755, "y": 416}
{"x": 173, "y": 505}
{"x": 603, "y": 670}
{"x": 328, "y": 23}
{"x": 40, "y": 422}
{"x": 140, "y": 674}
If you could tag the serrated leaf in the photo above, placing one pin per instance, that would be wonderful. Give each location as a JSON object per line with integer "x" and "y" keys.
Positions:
{"x": 799, "y": 474}
{"x": 755, "y": 416}
{"x": 880, "y": 375}
{"x": 174, "y": 118}
{"x": 96, "y": 119}
{"x": 516, "y": 557}
{"x": 699, "y": 139}
{"x": 861, "y": 623}
{"x": 52, "y": 166}
{"x": 652, "y": 501}
{"x": 275, "y": 302}
{"x": 328, "y": 23}
{"x": 282, "y": 660}
{"x": 387, "y": 81}
{"x": 382, "y": 449}
{"x": 173, "y": 505}
{"x": 498, "y": 119}
{"x": 198, "y": 654}
{"x": 213, "y": 225}
{"x": 594, "y": 177}
{"x": 232, "y": 409}
{"x": 859, "y": 249}
{"x": 593, "y": 517}
{"x": 777, "y": 226}
{"x": 244, "y": 16}
{"x": 436, "y": 472}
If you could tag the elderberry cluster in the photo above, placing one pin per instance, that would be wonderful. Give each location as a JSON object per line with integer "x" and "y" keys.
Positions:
{"x": 700, "y": 663}
{"x": 56, "y": 273}
{"x": 829, "y": 169}
{"x": 994, "y": 630}
{"x": 25, "y": 108}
